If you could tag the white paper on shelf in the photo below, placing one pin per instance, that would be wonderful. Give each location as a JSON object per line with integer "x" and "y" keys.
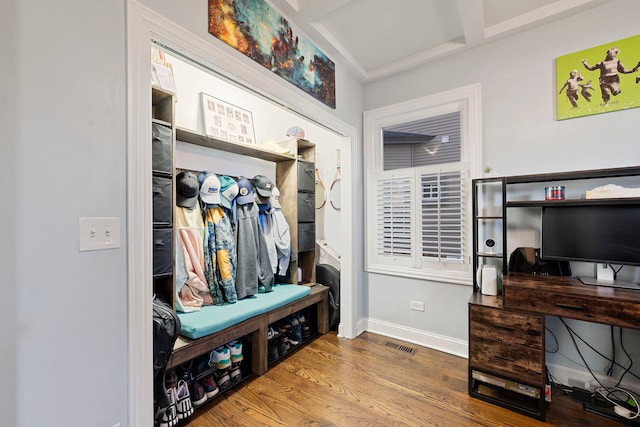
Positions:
{"x": 611, "y": 191}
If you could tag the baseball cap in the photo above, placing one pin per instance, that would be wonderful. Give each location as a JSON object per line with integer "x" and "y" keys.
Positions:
{"x": 275, "y": 198}
{"x": 210, "y": 189}
{"x": 186, "y": 190}
{"x": 296, "y": 132}
{"x": 228, "y": 191}
{"x": 263, "y": 185}
{"x": 245, "y": 191}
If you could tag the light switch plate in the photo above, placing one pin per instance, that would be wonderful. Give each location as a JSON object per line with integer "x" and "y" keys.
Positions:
{"x": 98, "y": 233}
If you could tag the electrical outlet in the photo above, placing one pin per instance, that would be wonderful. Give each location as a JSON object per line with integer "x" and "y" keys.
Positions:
{"x": 416, "y": 305}
{"x": 98, "y": 233}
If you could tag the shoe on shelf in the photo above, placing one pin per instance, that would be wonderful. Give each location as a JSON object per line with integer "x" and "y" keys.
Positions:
{"x": 223, "y": 379}
{"x": 200, "y": 364}
{"x": 209, "y": 386}
{"x": 295, "y": 336}
{"x": 273, "y": 351}
{"x": 170, "y": 417}
{"x": 306, "y": 331}
{"x": 220, "y": 358}
{"x": 283, "y": 326}
{"x": 185, "y": 371}
{"x": 235, "y": 372}
{"x": 170, "y": 378}
{"x": 235, "y": 349}
{"x": 198, "y": 397}
{"x": 183, "y": 400}
{"x": 272, "y": 333}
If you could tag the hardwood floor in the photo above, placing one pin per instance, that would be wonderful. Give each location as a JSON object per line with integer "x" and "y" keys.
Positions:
{"x": 363, "y": 382}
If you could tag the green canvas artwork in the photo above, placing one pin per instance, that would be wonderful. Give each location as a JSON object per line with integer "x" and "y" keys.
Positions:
{"x": 598, "y": 80}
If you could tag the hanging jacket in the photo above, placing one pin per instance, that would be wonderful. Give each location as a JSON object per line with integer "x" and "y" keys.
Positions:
{"x": 220, "y": 256}
{"x": 191, "y": 286}
{"x": 281, "y": 236}
{"x": 278, "y": 239}
{"x": 254, "y": 267}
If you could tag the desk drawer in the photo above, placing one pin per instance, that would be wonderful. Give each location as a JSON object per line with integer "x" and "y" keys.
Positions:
{"x": 517, "y": 362}
{"x": 589, "y": 308}
{"x": 506, "y": 327}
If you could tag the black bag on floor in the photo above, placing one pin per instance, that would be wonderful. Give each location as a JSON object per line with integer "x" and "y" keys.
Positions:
{"x": 330, "y": 276}
{"x": 166, "y": 328}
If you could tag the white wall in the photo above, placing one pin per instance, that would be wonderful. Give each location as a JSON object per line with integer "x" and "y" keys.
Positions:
{"x": 521, "y": 136}
{"x": 8, "y": 99}
{"x": 67, "y": 135}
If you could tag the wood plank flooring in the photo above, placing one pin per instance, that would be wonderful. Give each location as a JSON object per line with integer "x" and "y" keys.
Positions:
{"x": 367, "y": 382}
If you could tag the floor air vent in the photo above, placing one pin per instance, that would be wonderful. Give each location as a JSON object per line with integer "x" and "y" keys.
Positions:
{"x": 399, "y": 347}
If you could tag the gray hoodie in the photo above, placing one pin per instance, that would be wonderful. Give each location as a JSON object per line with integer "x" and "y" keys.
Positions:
{"x": 254, "y": 267}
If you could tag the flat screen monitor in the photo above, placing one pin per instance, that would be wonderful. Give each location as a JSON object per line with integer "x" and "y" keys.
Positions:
{"x": 599, "y": 233}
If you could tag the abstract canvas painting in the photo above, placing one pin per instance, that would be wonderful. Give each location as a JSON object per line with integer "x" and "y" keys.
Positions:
{"x": 257, "y": 30}
{"x": 598, "y": 80}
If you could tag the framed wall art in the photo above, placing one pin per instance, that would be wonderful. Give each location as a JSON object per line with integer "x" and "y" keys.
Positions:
{"x": 226, "y": 121}
{"x": 598, "y": 80}
{"x": 257, "y": 30}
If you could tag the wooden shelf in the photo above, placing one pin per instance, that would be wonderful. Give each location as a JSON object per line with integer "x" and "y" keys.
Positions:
{"x": 250, "y": 150}
{"x": 568, "y": 176}
{"x": 574, "y": 202}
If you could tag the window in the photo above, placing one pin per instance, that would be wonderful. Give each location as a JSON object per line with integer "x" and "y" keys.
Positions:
{"x": 420, "y": 157}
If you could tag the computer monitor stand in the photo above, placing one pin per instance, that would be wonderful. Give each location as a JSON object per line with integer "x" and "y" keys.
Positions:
{"x": 605, "y": 278}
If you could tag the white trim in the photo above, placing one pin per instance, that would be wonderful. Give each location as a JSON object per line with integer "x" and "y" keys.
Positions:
{"x": 139, "y": 220}
{"x": 144, "y": 25}
{"x": 449, "y": 345}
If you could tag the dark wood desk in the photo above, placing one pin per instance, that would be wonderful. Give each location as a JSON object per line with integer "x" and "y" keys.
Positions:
{"x": 568, "y": 297}
{"x": 506, "y": 333}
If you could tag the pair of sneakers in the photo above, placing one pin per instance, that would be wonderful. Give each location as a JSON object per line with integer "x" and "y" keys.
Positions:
{"x": 224, "y": 356}
{"x": 203, "y": 390}
{"x": 180, "y": 406}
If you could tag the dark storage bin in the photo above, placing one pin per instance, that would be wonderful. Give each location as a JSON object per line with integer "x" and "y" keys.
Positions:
{"x": 162, "y": 148}
{"x": 162, "y": 251}
{"x": 306, "y": 237}
{"x": 306, "y": 176}
{"x": 162, "y": 200}
{"x": 306, "y": 207}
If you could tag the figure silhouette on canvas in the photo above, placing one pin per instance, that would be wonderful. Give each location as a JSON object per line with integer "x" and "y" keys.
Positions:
{"x": 609, "y": 68}
{"x": 572, "y": 87}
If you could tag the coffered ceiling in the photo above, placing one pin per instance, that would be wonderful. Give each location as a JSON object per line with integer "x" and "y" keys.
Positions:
{"x": 377, "y": 38}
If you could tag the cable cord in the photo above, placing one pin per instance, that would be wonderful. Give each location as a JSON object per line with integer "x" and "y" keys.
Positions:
{"x": 571, "y": 331}
{"x": 621, "y": 405}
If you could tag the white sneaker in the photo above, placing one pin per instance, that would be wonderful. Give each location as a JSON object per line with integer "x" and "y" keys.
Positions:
{"x": 183, "y": 400}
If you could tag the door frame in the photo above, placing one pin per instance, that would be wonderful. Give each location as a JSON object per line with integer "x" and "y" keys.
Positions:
{"x": 143, "y": 26}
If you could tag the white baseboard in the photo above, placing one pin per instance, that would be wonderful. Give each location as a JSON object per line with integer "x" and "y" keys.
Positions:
{"x": 426, "y": 339}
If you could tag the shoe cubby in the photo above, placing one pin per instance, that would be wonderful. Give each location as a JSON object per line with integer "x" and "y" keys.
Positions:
{"x": 289, "y": 333}
{"x": 211, "y": 374}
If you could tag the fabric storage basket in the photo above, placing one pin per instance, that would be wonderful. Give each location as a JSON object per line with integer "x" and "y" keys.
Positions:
{"x": 162, "y": 251}
{"x": 161, "y": 149}
{"x": 162, "y": 200}
{"x": 306, "y": 207}
{"x": 306, "y": 237}
{"x": 306, "y": 176}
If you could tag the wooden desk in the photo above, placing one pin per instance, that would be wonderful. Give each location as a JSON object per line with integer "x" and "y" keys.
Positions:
{"x": 506, "y": 333}
{"x": 568, "y": 297}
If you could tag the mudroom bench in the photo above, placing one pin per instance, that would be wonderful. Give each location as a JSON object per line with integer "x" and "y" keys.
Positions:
{"x": 214, "y": 326}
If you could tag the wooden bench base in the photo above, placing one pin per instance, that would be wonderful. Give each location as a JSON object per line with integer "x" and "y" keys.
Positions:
{"x": 186, "y": 349}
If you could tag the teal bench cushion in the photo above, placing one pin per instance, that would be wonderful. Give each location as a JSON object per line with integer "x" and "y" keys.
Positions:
{"x": 214, "y": 318}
